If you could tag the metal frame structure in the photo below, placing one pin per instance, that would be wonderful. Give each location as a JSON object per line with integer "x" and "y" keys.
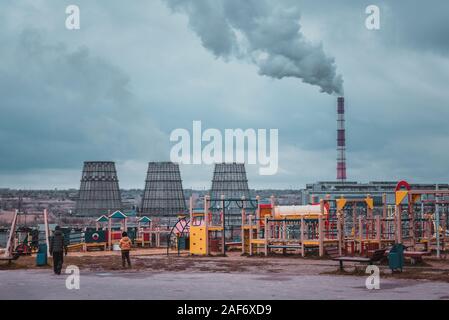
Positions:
{"x": 299, "y": 231}
{"x": 10, "y": 253}
{"x": 180, "y": 229}
{"x": 306, "y": 227}
{"x": 366, "y": 230}
{"x": 404, "y": 193}
{"x": 207, "y": 224}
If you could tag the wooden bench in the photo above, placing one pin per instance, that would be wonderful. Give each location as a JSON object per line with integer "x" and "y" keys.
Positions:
{"x": 415, "y": 256}
{"x": 77, "y": 247}
{"x": 377, "y": 256}
{"x": 95, "y": 246}
{"x": 332, "y": 252}
{"x": 291, "y": 246}
{"x": 10, "y": 258}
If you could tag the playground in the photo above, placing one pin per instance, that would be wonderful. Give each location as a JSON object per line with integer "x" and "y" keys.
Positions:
{"x": 328, "y": 240}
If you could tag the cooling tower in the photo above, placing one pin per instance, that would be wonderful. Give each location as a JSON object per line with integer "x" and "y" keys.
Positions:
{"x": 230, "y": 180}
{"x": 99, "y": 190}
{"x": 163, "y": 195}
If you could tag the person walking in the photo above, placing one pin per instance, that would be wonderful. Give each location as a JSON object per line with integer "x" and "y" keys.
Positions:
{"x": 125, "y": 246}
{"x": 57, "y": 249}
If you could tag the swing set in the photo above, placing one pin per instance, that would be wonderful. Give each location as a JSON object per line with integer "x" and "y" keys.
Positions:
{"x": 16, "y": 245}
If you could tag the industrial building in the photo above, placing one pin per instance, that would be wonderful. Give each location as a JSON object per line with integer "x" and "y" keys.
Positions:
{"x": 352, "y": 189}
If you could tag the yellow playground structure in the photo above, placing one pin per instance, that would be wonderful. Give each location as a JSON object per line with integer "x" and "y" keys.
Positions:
{"x": 209, "y": 231}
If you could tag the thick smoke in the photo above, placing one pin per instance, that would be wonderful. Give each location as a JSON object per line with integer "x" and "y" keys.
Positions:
{"x": 267, "y": 32}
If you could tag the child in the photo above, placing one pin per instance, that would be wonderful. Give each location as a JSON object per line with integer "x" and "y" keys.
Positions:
{"x": 125, "y": 246}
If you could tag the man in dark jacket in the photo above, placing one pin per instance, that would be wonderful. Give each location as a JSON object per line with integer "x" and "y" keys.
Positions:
{"x": 57, "y": 248}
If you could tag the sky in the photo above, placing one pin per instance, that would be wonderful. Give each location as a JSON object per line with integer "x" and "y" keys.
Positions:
{"x": 135, "y": 71}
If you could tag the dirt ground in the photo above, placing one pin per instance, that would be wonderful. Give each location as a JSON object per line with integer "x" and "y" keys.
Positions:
{"x": 156, "y": 260}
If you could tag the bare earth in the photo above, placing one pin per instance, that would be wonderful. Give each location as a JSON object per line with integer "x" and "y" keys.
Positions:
{"x": 156, "y": 276}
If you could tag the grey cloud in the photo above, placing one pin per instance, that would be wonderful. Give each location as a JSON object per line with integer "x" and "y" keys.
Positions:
{"x": 267, "y": 33}
{"x": 60, "y": 107}
{"x": 420, "y": 25}
{"x": 405, "y": 24}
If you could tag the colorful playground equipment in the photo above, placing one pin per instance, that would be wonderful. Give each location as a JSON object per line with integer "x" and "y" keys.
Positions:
{"x": 352, "y": 225}
{"x": 293, "y": 229}
{"x": 422, "y": 218}
{"x": 417, "y": 219}
{"x": 149, "y": 234}
{"x": 179, "y": 235}
{"x": 143, "y": 228}
{"x": 207, "y": 228}
{"x": 20, "y": 241}
{"x": 108, "y": 232}
{"x": 363, "y": 229}
{"x": 115, "y": 229}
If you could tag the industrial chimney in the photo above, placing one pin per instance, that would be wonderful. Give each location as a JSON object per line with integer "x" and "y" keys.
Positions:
{"x": 341, "y": 140}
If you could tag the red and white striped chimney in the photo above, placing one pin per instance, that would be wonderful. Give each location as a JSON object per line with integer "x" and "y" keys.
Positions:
{"x": 341, "y": 140}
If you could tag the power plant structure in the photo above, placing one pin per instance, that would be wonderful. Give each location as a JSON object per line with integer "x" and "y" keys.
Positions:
{"x": 99, "y": 191}
{"x": 230, "y": 181}
{"x": 341, "y": 140}
{"x": 163, "y": 195}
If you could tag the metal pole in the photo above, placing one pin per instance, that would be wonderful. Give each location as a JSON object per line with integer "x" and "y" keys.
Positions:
{"x": 9, "y": 244}
{"x": 250, "y": 236}
{"x": 422, "y": 224}
{"x": 302, "y": 238}
{"x": 437, "y": 223}
{"x": 242, "y": 230}
{"x": 109, "y": 231}
{"x": 47, "y": 232}
{"x": 223, "y": 249}
{"x": 206, "y": 222}
{"x": 267, "y": 230}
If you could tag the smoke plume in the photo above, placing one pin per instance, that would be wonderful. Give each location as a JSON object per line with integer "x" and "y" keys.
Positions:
{"x": 265, "y": 32}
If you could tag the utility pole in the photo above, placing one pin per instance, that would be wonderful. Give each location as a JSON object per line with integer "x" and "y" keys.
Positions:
{"x": 437, "y": 222}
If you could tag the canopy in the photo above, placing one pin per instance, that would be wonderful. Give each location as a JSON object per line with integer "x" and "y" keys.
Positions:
{"x": 103, "y": 218}
{"x": 144, "y": 219}
{"x": 118, "y": 215}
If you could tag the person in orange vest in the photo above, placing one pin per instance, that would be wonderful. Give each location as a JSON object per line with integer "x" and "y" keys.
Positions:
{"x": 125, "y": 246}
